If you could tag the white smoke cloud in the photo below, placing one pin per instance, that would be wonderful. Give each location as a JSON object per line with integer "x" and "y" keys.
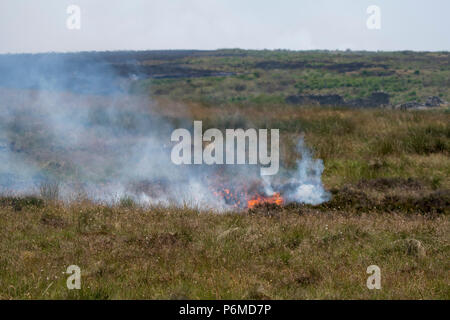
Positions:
{"x": 308, "y": 176}
{"x": 76, "y": 127}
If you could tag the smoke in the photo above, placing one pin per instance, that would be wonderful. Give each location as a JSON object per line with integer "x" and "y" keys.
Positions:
{"x": 69, "y": 121}
{"x": 305, "y": 185}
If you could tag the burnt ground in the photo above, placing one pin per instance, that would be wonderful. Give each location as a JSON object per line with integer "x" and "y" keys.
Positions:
{"x": 383, "y": 195}
{"x": 326, "y": 65}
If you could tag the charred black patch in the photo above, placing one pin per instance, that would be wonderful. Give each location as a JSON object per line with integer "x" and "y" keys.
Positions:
{"x": 383, "y": 184}
{"x": 437, "y": 202}
{"x": 376, "y": 99}
{"x": 417, "y": 198}
{"x": 348, "y": 197}
{"x": 270, "y": 65}
{"x": 352, "y": 66}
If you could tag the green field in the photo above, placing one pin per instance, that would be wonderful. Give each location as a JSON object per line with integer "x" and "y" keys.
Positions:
{"x": 269, "y": 76}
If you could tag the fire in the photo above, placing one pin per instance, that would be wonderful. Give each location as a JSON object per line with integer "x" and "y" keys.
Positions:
{"x": 243, "y": 196}
{"x": 243, "y": 199}
{"x": 276, "y": 199}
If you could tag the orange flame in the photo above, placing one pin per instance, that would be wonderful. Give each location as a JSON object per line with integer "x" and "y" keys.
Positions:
{"x": 276, "y": 199}
{"x": 243, "y": 196}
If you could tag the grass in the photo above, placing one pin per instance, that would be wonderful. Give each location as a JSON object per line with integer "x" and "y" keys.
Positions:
{"x": 171, "y": 253}
{"x": 273, "y": 75}
{"x": 354, "y": 144}
{"x": 388, "y": 172}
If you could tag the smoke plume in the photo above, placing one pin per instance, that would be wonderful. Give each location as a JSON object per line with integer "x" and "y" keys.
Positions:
{"x": 71, "y": 123}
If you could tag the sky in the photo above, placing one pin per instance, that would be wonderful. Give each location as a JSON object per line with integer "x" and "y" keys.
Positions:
{"x": 31, "y": 26}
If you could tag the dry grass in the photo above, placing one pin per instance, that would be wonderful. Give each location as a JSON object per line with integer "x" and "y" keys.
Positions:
{"x": 293, "y": 252}
{"x": 296, "y": 253}
{"x": 354, "y": 144}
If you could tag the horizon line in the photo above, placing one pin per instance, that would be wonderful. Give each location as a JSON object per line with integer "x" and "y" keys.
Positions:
{"x": 225, "y": 49}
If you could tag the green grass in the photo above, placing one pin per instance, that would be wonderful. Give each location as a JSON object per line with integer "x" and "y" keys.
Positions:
{"x": 276, "y": 74}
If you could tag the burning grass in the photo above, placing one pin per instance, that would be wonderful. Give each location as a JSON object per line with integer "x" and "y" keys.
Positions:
{"x": 276, "y": 199}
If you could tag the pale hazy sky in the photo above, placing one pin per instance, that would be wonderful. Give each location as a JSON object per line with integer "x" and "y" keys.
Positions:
{"x": 40, "y": 25}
